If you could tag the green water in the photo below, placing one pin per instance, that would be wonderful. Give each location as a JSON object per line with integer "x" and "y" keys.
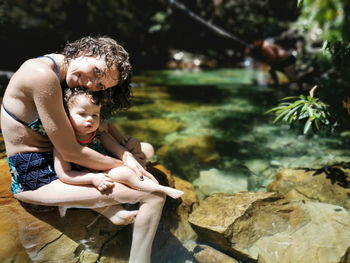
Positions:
{"x": 210, "y": 128}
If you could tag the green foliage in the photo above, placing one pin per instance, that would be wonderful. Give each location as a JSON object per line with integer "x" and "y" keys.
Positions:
{"x": 340, "y": 52}
{"x": 310, "y": 111}
{"x": 324, "y": 21}
{"x": 327, "y": 15}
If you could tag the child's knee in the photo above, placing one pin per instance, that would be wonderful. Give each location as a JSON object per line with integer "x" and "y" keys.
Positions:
{"x": 122, "y": 173}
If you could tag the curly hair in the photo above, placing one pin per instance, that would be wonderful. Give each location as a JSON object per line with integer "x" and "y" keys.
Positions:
{"x": 119, "y": 96}
{"x": 69, "y": 96}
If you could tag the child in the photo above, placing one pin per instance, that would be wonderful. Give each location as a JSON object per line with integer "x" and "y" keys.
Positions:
{"x": 83, "y": 108}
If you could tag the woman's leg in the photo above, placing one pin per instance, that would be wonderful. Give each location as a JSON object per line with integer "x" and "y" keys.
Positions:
{"x": 145, "y": 227}
{"x": 125, "y": 175}
{"x": 146, "y": 222}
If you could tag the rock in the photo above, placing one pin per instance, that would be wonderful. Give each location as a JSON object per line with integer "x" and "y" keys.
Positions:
{"x": 216, "y": 181}
{"x": 330, "y": 185}
{"x": 207, "y": 254}
{"x": 148, "y": 130}
{"x": 198, "y": 151}
{"x": 30, "y": 233}
{"x": 251, "y": 225}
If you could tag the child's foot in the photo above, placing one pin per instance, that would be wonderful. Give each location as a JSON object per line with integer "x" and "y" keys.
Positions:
{"x": 174, "y": 193}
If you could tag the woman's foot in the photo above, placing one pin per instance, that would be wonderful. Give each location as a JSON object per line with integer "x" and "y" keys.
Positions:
{"x": 117, "y": 214}
{"x": 123, "y": 217}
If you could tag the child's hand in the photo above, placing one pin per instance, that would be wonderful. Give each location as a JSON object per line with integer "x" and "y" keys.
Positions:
{"x": 102, "y": 182}
{"x": 130, "y": 161}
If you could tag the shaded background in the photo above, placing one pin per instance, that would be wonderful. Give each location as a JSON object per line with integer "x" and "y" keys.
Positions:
{"x": 147, "y": 29}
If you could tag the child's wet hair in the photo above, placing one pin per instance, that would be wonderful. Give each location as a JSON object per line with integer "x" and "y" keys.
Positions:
{"x": 71, "y": 94}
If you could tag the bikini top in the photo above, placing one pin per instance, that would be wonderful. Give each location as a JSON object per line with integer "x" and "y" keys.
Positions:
{"x": 36, "y": 125}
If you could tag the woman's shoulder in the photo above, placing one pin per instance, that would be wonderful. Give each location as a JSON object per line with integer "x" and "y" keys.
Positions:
{"x": 35, "y": 71}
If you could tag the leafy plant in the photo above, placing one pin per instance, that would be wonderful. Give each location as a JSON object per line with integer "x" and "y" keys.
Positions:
{"x": 309, "y": 110}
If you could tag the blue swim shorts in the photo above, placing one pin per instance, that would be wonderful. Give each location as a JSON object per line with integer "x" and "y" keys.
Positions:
{"x": 31, "y": 171}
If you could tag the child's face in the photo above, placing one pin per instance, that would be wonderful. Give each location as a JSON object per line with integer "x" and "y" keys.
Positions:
{"x": 84, "y": 115}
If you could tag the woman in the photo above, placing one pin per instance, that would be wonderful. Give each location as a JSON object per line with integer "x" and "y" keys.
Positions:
{"x": 33, "y": 119}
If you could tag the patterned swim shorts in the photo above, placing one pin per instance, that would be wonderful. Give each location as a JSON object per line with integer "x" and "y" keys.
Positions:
{"x": 30, "y": 171}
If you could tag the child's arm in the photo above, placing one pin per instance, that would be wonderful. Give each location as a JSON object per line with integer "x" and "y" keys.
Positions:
{"x": 117, "y": 150}
{"x": 63, "y": 169}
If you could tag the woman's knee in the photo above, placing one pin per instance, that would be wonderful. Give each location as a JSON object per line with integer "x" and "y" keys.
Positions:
{"x": 147, "y": 150}
{"x": 156, "y": 200}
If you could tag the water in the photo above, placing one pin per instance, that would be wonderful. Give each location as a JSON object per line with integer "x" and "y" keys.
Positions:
{"x": 210, "y": 128}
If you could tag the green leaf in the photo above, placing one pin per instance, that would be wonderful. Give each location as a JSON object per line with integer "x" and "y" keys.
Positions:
{"x": 280, "y": 116}
{"x": 307, "y": 126}
{"x": 310, "y": 111}
{"x": 289, "y": 98}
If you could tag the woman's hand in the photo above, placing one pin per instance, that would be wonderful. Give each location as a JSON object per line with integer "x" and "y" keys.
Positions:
{"x": 129, "y": 161}
{"x": 102, "y": 182}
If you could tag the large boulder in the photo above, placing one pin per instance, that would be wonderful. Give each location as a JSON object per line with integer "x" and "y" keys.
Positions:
{"x": 328, "y": 185}
{"x": 30, "y": 233}
{"x": 266, "y": 227}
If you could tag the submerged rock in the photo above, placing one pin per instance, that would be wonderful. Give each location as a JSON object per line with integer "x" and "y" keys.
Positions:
{"x": 266, "y": 227}
{"x": 216, "y": 181}
{"x": 198, "y": 151}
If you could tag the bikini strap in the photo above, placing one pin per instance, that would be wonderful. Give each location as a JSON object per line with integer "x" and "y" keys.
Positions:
{"x": 54, "y": 64}
{"x": 13, "y": 116}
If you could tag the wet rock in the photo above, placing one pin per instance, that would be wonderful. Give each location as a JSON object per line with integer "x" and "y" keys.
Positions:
{"x": 274, "y": 229}
{"x": 329, "y": 185}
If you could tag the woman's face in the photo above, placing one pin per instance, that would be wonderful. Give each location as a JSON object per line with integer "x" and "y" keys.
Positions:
{"x": 91, "y": 73}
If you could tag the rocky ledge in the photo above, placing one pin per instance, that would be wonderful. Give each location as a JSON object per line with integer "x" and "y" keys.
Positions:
{"x": 303, "y": 217}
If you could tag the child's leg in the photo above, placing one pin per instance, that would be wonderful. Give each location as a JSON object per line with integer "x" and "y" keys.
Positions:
{"x": 126, "y": 176}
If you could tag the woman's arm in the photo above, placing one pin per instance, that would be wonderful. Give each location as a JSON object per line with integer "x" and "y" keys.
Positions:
{"x": 47, "y": 96}
{"x": 63, "y": 169}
